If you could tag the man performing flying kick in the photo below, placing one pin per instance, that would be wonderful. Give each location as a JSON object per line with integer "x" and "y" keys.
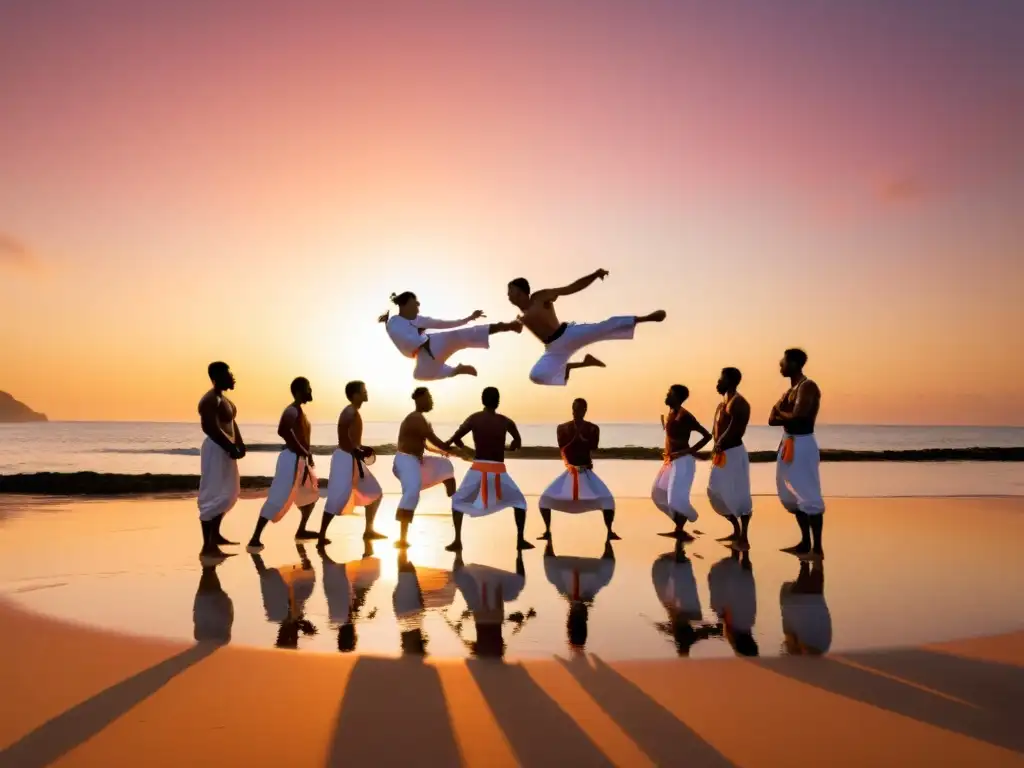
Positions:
{"x": 563, "y": 340}
{"x": 431, "y": 352}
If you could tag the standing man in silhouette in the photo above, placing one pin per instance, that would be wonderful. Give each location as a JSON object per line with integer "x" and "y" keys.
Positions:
{"x": 671, "y": 491}
{"x": 563, "y": 340}
{"x": 797, "y": 475}
{"x": 729, "y": 481}
{"x": 219, "y": 479}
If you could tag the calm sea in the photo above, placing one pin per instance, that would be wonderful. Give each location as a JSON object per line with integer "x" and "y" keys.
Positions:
{"x": 173, "y": 448}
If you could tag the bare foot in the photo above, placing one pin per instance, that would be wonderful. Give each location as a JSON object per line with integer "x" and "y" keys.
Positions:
{"x": 253, "y": 547}
{"x": 730, "y": 537}
{"x": 546, "y": 536}
{"x": 740, "y": 545}
{"x": 524, "y": 544}
{"x": 654, "y": 317}
{"x": 613, "y": 536}
{"x": 307, "y": 535}
{"x": 592, "y": 362}
{"x": 372, "y": 535}
{"x": 455, "y": 546}
{"x": 401, "y": 544}
{"x": 322, "y": 542}
{"x": 797, "y": 549}
{"x": 467, "y": 370}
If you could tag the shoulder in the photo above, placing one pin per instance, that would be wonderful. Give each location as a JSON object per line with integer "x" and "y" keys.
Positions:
{"x": 210, "y": 398}
{"x": 591, "y": 426}
{"x": 347, "y": 413}
{"x": 740, "y": 402}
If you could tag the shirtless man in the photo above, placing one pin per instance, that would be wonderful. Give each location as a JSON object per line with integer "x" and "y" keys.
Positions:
{"x": 431, "y": 351}
{"x": 352, "y": 484}
{"x": 578, "y": 488}
{"x": 415, "y": 471}
{"x": 295, "y": 480}
{"x": 729, "y": 481}
{"x": 563, "y": 340}
{"x": 797, "y": 475}
{"x": 219, "y": 481}
{"x": 671, "y": 491}
{"x": 487, "y": 487}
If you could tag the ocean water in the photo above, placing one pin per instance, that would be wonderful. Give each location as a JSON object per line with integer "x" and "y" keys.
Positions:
{"x": 173, "y": 448}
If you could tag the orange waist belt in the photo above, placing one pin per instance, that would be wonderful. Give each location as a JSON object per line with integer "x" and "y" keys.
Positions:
{"x": 719, "y": 460}
{"x": 486, "y": 469}
{"x": 670, "y": 457}
{"x": 788, "y": 450}
{"x": 574, "y": 471}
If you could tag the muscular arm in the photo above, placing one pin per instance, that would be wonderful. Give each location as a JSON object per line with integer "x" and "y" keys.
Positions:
{"x": 211, "y": 425}
{"x": 427, "y": 432}
{"x": 597, "y": 438}
{"x": 513, "y": 430}
{"x": 550, "y": 294}
{"x": 696, "y": 426}
{"x": 461, "y": 432}
{"x": 777, "y": 418}
{"x": 565, "y": 436}
{"x": 239, "y": 442}
{"x": 806, "y": 398}
{"x": 430, "y": 323}
{"x": 740, "y": 413}
{"x": 286, "y": 431}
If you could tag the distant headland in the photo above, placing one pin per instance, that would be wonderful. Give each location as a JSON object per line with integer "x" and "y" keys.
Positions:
{"x": 13, "y": 411}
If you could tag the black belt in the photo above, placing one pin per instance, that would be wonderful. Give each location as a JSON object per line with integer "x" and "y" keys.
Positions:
{"x": 557, "y": 334}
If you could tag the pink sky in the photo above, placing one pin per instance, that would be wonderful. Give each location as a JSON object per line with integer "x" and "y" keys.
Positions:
{"x": 249, "y": 180}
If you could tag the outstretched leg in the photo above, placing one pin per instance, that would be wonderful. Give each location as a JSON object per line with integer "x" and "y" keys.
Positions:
{"x": 655, "y": 317}
{"x": 305, "y": 511}
{"x": 545, "y": 515}
{"x": 521, "y": 542}
{"x": 371, "y": 513}
{"x": 609, "y": 518}
{"x": 588, "y": 362}
{"x": 456, "y": 545}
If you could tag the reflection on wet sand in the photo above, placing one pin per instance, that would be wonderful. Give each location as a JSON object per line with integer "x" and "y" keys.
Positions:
{"x": 417, "y": 591}
{"x": 806, "y": 621}
{"x": 213, "y": 613}
{"x": 285, "y": 590}
{"x": 734, "y": 600}
{"x": 346, "y": 586}
{"x": 578, "y": 580}
{"x": 486, "y": 590}
{"x": 672, "y": 574}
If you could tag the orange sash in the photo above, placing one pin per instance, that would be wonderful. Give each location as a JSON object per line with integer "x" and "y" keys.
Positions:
{"x": 788, "y": 450}
{"x": 719, "y": 460}
{"x": 574, "y": 471}
{"x": 486, "y": 469}
{"x": 670, "y": 457}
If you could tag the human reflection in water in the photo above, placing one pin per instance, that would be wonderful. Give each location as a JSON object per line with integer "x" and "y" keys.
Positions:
{"x": 578, "y": 580}
{"x": 417, "y": 591}
{"x": 213, "y": 613}
{"x": 346, "y": 586}
{"x": 486, "y": 590}
{"x": 285, "y": 591}
{"x": 734, "y": 600}
{"x": 806, "y": 622}
{"x": 672, "y": 574}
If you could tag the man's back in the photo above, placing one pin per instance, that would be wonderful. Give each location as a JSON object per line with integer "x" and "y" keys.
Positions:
{"x": 489, "y": 429}
{"x": 577, "y": 441}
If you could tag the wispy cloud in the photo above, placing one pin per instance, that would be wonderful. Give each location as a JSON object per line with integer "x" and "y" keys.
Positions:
{"x": 15, "y": 255}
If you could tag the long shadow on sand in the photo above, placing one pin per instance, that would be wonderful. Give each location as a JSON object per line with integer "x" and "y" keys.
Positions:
{"x": 658, "y": 732}
{"x": 994, "y": 692}
{"x": 63, "y": 733}
{"x": 401, "y": 698}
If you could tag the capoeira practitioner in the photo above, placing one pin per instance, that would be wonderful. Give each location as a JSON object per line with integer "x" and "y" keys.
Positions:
{"x": 346, "y": 586}
{"x": 487, "y": 487}
{"x": 796, "y": 469}
{"x": 578, "y": 489}
{"x": 219, "y": 481}
{"x": 486, "y": 590}
{"x": 351, "y": 482}
{"x": 295, "y": 480}
{"x": 671, "y": 490}
{"x": 415, "y": 471}
{"x": 417, "y": 591}
{"x": 729, "y": 481}
{"x": 578, "y": 580}
{"x": 431, "y": 351}
{"x": 285, "y": 590}
{"x": 213, "y": 613}
{"x": 734, "y": 600}
{"x": 806, "y": 621}
{"x": 563, "y": 340}
{"x": 672, "y": 575}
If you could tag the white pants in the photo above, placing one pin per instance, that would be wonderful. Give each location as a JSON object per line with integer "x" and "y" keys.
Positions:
{"x": 213, "y": 615}
{"x": 798, "y": 481}
{"x": 729, "y": 485}
{"x": 291, "y": 485}
{"x": 733, "y": 595}
{"x": 486, "y": 590}
{"x": 671, "y": 490}
{"x": 342, "y": 581}
{"x": 444, "y": 344}
{"x": 550, "y": 369}
{"x": 676, "y": 587}
{"x": 806, "y": 618}
{"x": 579, "y": 579}
{"x": 219, "y": 481}
{"x": 483, "y": 492}
{"x": 346, "y": 489}
{"x": 578, "y": 489}
{"x": 417, "y": 475}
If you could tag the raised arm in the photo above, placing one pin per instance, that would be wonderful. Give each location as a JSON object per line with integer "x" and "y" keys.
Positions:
{"x": 550, "y": 294}
{"x": 513, "y": 430}
{"x": 430, "y": 323}
{"x": 211, "y": 425}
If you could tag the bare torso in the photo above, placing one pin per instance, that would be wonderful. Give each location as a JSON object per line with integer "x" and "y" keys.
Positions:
{"x": 541, "y": 320}
{"x": 223, "y": 409}
{"x": 577, "y": 441}
{"x": 412, "y": 434}
{"x": 678, "y": 426}
{"x": 488, "y": 429}
{"x": 350, "y": 429}
{"x": 302, "y": 430}
{"x": 802, "y": 425}
{"x": 731, "y": 414}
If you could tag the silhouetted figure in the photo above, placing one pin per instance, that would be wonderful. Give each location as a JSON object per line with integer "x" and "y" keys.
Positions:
{"x": 346, "y": 586}
{"x": 563, "y": 340}
{"x": 578, "y": 488}
{"x": 415, "y": 471}
{"x": 295, "y": 480}
{"x": 676, "y": 587}
{"x": 431, "y": 351}
{"x": 213, "y": 613}
{"x": 487, "y": 487}
{"x": 486, "y": 591}
{"x": 285, "y": 590}
{"x": 671, "y": 490}
{"x": 219, "y": 478}
{"x": 806, "y": 621}
{"x": 796, "y": 470}
{"x": 352, "y": 483}
{"x": 578, "y": 580}
{"x": 729, "y": 480}
{"x": 417, "y": 591}
{"x": 734, "y": 600}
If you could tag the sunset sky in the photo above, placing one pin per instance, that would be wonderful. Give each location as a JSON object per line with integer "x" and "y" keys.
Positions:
{"x": 248, "y": 181}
